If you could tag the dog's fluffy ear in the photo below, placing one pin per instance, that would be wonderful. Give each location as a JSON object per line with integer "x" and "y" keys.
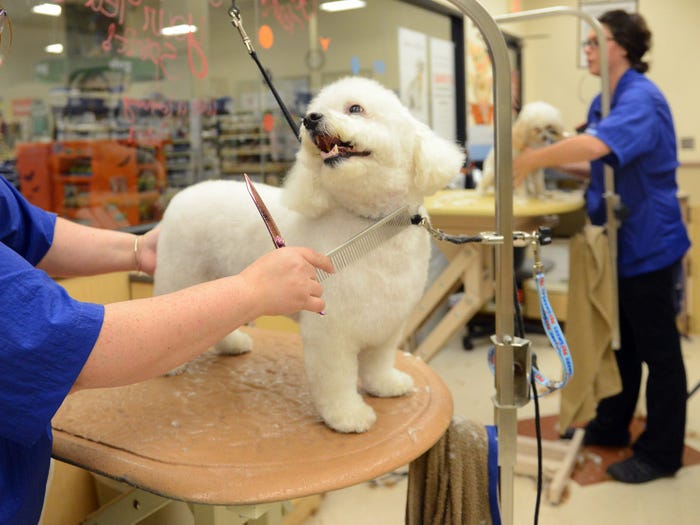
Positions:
{"x": 302, "y": 191}
{"x": 436, "y": 160}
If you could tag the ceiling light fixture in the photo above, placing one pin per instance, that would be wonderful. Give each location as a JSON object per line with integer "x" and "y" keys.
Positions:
{"x": 181, "y": 29}
{"x": 342, "y": 5}
{"x": 47, "y": 9}
{"x": 54, "y": 49}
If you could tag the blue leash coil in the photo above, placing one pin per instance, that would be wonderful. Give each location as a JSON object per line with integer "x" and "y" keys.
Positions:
{"x": 554, "y": 334}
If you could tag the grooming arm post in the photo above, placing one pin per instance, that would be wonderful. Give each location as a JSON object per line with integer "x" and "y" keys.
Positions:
{"x": 612, "y": 200}
{"x": 504, "y": 401}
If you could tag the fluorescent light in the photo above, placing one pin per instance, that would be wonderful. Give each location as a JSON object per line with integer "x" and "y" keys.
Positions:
{"x": 342, "y": 5}
{"x": 54, "y": 49}
{"x": 47, "y": 9}
{"x": 182, "y": 29}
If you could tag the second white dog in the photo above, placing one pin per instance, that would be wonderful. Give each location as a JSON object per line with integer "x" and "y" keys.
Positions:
{"x": 362, "y": 156}
{"x": 537, "y": 125}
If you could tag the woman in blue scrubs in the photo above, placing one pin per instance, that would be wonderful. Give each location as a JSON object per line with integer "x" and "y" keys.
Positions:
{"x": 638, "y": 140}
{"x": 51, "y": 344}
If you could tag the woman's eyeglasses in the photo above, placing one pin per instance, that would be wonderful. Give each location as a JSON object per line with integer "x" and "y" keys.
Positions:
{"x": 593, "y": 42}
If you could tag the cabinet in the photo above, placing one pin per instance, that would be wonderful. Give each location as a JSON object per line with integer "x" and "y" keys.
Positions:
{"x": 246, "y": 147}
{"x": 104, "y": 183}
{"x": 191, "y": 151}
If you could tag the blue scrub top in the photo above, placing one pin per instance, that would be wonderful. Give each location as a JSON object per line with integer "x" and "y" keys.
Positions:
{"x": 45, "y": 339}
{"x": 640, "y": 134}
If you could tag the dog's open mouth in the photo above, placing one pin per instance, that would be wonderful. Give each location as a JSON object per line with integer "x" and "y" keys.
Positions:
{"x": 333, "y": 149}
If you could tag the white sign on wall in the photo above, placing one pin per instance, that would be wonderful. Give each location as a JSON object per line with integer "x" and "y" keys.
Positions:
{"x": 413, "y": 73}
{"x": 442, "y": 88}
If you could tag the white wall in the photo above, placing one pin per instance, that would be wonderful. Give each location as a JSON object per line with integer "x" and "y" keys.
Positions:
{"x": 551, "y": 72}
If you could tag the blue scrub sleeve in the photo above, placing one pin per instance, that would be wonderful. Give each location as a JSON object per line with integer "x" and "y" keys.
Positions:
{"x": 45, "y": 339}
{"x": 25, "y": 228}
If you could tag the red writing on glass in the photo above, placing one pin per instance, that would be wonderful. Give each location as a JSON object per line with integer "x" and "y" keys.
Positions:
{"x": 137, "y": 107}
{"x": 146, "y": 42}
{"x": 289, "y": 14}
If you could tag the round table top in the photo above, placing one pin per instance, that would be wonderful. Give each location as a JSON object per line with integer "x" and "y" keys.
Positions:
{"x": 471, "y": 203}
{"x": 466, "y": 211}
{"x": 242, "y": 429}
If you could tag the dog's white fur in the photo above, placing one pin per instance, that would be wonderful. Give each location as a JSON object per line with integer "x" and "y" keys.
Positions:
{"x": 212, "y": 229}
{"x": 537, "y": 125}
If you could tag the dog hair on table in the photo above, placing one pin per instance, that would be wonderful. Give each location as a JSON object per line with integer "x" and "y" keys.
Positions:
{"x": 537, "y": 125}
{"x": 362, "y": 155}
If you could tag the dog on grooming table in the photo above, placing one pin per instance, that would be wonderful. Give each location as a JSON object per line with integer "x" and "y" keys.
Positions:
{"x": 362, "y": 156}
{"x": 537, "y": 125}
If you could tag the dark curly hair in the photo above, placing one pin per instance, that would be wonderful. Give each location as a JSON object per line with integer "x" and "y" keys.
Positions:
{"x": 631, "y": 32}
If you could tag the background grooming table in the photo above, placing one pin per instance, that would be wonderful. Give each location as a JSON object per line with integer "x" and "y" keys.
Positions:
{"x": 472, "y": 264}
{"x": 241, "y": 430}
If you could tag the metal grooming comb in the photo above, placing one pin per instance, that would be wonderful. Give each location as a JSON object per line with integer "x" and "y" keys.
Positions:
{"x": 367, "y": 240}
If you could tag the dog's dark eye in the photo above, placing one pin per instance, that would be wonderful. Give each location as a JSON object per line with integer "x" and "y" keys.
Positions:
{"x": 356, "y": 108}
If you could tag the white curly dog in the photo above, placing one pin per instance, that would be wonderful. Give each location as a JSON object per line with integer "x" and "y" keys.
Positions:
{"x": 537, "y": 125}
{"x": 362, "y": 156}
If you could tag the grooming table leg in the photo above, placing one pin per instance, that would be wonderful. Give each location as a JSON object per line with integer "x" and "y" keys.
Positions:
{"x": 558, "y": 461}
{"x": 128, "y": 509}
{"x": 263, "y": 514}
{"x": 469, "y": 266}
{"x": 446, "y": 282}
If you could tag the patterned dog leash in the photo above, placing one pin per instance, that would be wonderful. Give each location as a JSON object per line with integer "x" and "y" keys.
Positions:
{"x": 553, "y": 331}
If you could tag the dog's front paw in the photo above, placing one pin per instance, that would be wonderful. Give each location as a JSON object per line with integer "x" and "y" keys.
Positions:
{"x": 390, "y": 384}
{"x": 234, "y": 343}
{"x": 177, "y": 371}
{"x": 356, "y": 417}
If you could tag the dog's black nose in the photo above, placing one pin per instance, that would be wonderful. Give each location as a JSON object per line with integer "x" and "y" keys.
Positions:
{"x": 312, "y": 120}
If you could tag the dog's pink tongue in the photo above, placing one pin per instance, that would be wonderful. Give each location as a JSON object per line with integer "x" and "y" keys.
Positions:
{"x": 332, "y": 153}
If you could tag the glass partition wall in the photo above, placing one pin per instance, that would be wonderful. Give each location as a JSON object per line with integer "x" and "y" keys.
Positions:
{"x": 107, "y": 107}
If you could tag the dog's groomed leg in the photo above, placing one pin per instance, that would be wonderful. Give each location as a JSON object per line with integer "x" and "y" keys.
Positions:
{"x": 332, "y": 372}
{"x": 378, "y": 375}
{"x": 234, "y": 343}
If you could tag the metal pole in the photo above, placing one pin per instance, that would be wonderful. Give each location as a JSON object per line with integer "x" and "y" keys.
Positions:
{"x": 504, "y": 400}
{"x": 612, "y": 200}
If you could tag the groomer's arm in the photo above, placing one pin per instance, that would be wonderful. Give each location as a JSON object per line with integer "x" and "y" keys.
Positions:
{"x": 570, "y": 152}
{"x": 82, "y": 250}
{"x": 145, "y": 338}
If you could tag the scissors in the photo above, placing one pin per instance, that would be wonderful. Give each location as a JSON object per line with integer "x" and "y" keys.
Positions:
{"x": 277, "y": 239}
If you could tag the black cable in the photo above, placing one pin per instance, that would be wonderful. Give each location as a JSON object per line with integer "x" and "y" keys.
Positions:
{"x": 538, "y": 434}
{"x": 520, "y": 332}
{"x": 280, "y": 103}
{"x": 237, "y": 22}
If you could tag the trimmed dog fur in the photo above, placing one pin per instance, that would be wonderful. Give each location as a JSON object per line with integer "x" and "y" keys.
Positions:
{"x": 362, "y": 155}
{"x": 537, "y": 125}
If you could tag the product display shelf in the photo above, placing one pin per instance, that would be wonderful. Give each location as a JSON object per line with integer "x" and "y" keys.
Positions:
{"x": 109, "y": 184}
{"x": 245, "y": 147}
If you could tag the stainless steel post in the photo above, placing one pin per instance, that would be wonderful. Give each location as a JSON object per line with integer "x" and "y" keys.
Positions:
{"x": 611, "y": 198}
{"x": 504, "y": 401}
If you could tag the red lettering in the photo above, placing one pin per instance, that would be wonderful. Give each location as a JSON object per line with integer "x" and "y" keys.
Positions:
{"x": 150, "y": 44}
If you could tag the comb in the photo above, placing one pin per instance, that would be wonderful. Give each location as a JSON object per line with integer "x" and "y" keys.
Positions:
{"x": 367, "y": 240}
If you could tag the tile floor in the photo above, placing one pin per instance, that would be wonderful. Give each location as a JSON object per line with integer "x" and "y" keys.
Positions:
{"x": 674, "y": 500}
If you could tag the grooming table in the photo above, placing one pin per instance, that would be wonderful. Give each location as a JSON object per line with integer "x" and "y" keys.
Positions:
{"x": 240, "y": 432}
{"x": 472, "y": 264}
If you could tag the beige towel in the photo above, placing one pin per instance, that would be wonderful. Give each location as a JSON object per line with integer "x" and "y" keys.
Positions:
{"x": 588, "y": 328}
{"x": 449, "y": 484}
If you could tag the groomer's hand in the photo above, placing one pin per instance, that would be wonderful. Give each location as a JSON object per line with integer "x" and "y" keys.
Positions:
{"x": 522, "y": 166}
{"x": 284, "y": 280}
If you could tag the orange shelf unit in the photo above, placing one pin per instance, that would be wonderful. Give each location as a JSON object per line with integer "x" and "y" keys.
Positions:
{"x": 34, "y": 177}
{"x": 107, "y": 183}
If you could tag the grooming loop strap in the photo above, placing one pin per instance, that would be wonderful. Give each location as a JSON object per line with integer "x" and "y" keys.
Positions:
{"x": 551, "y": 327}
{"x": 556, "y": 338}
